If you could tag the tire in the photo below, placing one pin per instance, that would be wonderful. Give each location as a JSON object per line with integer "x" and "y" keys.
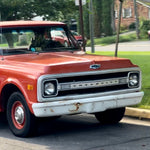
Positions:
{"x": 111, "y": 116}
{"x": 21, "y": 121}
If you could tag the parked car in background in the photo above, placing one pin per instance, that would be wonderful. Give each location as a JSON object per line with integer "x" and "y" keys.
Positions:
{"x": 60, "y": 36}
{"x": 148, "y": 34}
{"x": 78, "y": 37}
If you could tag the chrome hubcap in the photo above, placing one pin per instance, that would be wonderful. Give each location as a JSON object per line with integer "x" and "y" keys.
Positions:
{"x": 19, "y": 115}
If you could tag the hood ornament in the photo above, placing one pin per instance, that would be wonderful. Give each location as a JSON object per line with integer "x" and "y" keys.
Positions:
{"x": 95, "y": 66}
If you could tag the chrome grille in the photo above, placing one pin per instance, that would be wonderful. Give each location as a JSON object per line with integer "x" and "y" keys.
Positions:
{"x": 94, "y": 83}
{"x": 90, "y": 83}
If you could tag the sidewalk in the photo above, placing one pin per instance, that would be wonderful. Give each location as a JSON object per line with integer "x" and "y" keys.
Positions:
{"x": 137, "y": 113}
{"x": 125, "y": 46}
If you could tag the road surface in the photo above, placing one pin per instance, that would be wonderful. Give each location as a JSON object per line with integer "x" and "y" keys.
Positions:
{"x": 81, "y": 132}
{"x": 126, "y": 46}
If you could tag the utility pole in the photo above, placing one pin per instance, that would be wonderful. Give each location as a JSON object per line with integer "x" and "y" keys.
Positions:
{"x": 81, "y": 23}
{"x": 118, "y": 28}
{"x": 91, "y": 26}
{"x": 137, "y": 20}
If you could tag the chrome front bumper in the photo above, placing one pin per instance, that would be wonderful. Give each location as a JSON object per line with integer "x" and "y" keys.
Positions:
{"x": 86, "y": 105}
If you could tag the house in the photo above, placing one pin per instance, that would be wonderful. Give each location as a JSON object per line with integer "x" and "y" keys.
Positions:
{"x": 128, "y": 12}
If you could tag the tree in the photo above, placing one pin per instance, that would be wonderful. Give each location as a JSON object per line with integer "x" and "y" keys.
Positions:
{"x": 16, "y": 9}
{"x": 107, "y": 17}
{"x": 28, "y": 9}
{"x": 97, "y": 17}
{"x": 103, "y": 17}
{"x": 86, "y": 20}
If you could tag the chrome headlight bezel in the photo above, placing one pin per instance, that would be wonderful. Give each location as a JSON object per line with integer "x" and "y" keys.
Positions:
{"x": 134, "y": 79}
{"x": 53, "y": 84}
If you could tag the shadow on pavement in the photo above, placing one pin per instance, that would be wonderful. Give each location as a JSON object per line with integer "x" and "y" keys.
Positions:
{"x": 83, "y": 133}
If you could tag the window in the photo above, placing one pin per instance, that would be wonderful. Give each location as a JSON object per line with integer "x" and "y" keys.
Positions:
{"x": 36, "y": 39}
{"x": 127, "y": 12}
{"x": 116, "y": 14}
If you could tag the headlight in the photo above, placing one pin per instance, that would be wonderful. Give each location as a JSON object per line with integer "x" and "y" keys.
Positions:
{"x": 133, "y": 79}
{"x": 50, "y": 88}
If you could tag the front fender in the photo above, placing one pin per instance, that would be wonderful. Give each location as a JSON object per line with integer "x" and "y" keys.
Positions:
{"x": 27, "y": 87}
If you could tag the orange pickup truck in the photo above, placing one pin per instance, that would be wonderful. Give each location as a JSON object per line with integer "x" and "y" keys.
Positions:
{"x": 43, "y": 77}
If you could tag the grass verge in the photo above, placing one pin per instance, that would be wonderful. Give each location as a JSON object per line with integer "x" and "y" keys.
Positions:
{"x": 142, "y": 59}
{"x": 112, "y": 39}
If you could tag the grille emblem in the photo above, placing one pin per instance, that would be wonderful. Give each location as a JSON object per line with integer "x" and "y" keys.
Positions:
{"x": 95, "y": 66}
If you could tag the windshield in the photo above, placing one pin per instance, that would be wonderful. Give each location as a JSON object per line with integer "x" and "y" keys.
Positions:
{"x": 36, "y": 39}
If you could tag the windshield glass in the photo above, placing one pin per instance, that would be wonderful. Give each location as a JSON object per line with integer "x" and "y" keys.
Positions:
{"x": 36, "y": 39}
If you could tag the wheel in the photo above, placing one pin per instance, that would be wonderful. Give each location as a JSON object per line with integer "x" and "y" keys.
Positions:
{"x": 20, "y": 120}
{"x": 111, "y": 116}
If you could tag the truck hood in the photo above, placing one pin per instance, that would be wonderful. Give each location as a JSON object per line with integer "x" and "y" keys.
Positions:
{"x": 64, "y": 62}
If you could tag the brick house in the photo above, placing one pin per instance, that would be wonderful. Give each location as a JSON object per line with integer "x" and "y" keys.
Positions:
{"x": 128, "y": 14}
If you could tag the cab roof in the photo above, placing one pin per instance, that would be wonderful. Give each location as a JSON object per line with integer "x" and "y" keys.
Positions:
{"x": 8, "y": 24}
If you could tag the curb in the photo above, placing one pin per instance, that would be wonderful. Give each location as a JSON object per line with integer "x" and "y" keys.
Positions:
{"x": 137, "y": 113}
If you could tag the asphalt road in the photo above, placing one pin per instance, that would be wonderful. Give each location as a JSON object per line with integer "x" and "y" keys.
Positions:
{"x": 80, "y": 132}
{"x": 126, "y": 46}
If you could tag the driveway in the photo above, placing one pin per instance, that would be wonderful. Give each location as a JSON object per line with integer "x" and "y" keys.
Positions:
{"x": 125, "y": 46}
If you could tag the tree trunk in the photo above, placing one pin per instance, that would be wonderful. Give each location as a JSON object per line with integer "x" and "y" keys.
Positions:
{"x": 9, "y": 39}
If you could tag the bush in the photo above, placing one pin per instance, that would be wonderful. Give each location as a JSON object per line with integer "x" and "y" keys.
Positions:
{"x": 144, "y": 27}
{"x": 22, "y": 43}
{"x": 132, "y": 26}
{"x": 112, "y": 39}
{"x": 123, "y": 28}
{"x": 22, "y": 40}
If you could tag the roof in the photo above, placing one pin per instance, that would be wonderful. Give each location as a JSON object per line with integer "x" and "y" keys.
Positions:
{"x": 28, "y": 23}
{"x": 145, "y": 3}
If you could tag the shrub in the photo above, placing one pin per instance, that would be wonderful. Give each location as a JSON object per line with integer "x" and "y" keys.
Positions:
{"x": 123, "y": 28}
{"x": 144, "y": 27}
{"x": 112, "y": 39}
{"x": 22, "y": 40}
{"x": 132, "y": 26}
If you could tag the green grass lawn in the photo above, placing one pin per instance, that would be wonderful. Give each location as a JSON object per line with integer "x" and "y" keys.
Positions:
{"x": 142, "y": 59}
{"x": 3, "y": 45}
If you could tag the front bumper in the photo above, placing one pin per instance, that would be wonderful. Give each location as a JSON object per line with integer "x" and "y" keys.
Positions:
{"x": 86, "y": 105}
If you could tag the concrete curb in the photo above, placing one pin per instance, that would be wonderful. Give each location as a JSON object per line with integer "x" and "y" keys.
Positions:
{"x": 137, "y": 113}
